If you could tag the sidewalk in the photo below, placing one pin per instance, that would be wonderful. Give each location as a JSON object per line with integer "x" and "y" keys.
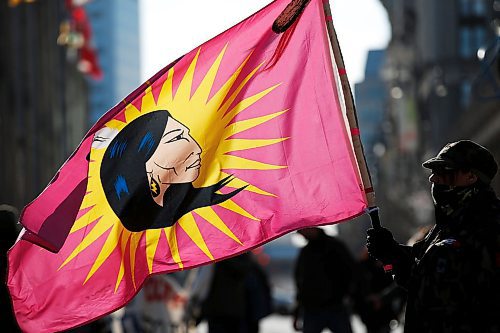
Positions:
{"x": 283, "y": 324}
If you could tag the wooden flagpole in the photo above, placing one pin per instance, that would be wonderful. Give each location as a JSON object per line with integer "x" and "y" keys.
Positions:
{"x": 352, "y": 118}
{"x": 286, "y": 18}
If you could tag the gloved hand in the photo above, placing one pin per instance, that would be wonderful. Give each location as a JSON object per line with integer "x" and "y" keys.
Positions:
{"x": 382, "y": 245}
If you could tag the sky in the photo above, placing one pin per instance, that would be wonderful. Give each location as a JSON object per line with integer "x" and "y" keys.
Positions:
{"x": 171, "y": 28}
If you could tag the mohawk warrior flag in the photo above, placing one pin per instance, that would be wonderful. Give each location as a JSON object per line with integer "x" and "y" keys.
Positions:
{"x": 238, "y": 142}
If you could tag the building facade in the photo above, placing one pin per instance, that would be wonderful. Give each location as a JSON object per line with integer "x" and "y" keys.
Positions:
{"x": 370, "y": 99}
{"x": 442, "y": 82}
{"x": 43, "y": 99}
{"x": 115, "y": 25}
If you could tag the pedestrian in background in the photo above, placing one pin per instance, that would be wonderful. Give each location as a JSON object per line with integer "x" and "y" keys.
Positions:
{"x": 453, "y": 274}
{"x": 258, "y": 295}
{"x": 225, "y": 306}
{"x": 379, "y": 301}
{"x": 8, "y": 236}
{"x": 324, "y": 281}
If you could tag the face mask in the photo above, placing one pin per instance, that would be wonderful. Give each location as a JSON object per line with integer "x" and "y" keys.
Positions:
{"x": 449, "y": 198}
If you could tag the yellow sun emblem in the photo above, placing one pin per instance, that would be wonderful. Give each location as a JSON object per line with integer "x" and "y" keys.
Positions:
{"x": 196, "y": 111}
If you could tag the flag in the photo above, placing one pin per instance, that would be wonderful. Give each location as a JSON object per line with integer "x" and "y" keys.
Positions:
{"x": 236, "y": 143}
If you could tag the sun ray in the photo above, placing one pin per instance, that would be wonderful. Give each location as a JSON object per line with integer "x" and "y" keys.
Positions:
{"x": 89, "y": 239}
{"x": 89, "y": 217}
{"x": 134, "y": 243}
{"x": 131, "y": 112}
{"x": 106, "y": 250}
{"x": 219, "y": 96}
{"x": 233, "y": 96}
{"x": 240, "y": 163}
{"x": 244, "y": 125}
{"x": 96, "y": 154}
{"x": 247, "y": 102}
{"x": 244, "y": 144}
{"x": 115, "y": 124}
{"x": 233, "y": 206}
{"x": 152, "y": 237}
{"x": 148, "y": 100}
{"x": 184, "y": 91}
{"x": 238, "y": 183}
{"x": 84, "y": 221}
{"x": 172, "y": 243}
{"x": 203, "y": 91}
{"x": 188, "y": 224}
{"x": 89, "y": 199}
{"x": 125, "y": 236}
{"x": 209, "y": 215}
{"x": 166, "y": 93}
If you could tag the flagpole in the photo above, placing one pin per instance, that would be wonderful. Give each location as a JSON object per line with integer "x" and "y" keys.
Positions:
{"x": 352, "y": 118}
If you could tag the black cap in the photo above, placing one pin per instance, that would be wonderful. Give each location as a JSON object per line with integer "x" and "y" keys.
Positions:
{"x": 465, "y": 155}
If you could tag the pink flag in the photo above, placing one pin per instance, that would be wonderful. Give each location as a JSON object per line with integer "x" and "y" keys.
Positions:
{"x": 237, "y": 143}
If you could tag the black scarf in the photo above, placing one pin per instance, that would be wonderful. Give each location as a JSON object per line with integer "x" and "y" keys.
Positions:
{"x": 448, "y": 199}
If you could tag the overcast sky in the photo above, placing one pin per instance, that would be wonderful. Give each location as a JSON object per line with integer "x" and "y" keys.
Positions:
{"x": 170, "y": 28}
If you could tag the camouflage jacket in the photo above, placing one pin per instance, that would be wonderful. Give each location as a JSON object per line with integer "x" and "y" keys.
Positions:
{"x": 453, "y": 274}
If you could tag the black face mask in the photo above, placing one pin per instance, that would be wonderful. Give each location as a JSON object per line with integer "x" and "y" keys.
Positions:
{"x": 449, "y": 198}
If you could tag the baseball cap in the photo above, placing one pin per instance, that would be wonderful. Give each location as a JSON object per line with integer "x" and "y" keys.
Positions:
{"x": 465, "y": 155}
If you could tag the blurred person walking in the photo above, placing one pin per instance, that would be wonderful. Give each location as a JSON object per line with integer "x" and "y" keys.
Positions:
{"x": 379, "y": 301}
{"x": 225, "y": 306}
{"x": 258, "y": 295}
{"x": 324, "y": 280}
{"x": 453, "y": 274}
{"x": 8, "y": 236}
{"x": 232, "y": 295}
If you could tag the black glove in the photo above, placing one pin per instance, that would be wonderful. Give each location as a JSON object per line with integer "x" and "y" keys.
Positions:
{"x": 381, "y": 245}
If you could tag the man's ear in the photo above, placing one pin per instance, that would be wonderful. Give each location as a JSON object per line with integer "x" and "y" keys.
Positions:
{"x": 471, "y": 178}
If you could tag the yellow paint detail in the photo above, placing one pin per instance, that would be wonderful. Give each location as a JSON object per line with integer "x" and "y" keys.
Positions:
{"x": 238, "y": 183}
{"x": 99, "y": 229}
{"x": 183, "y": 94}
{"x": 188, "y": 224}
{"x": 200, "y": 97}
{"x": 211, "y": 217}
{"x": 240, "y": 163}
{"x": 233, "y": 206}
{"x": 131, "y": 111}
{"x": 109, "y": 246}
{"x": 244, "y": 125}
{"x": 218, "y": 98}
{"x": 148, "y": 101}
{"x": 115, "y": 124}
{"x": 242, "y": 85}
{"x": 152, "y": 237}
{"x": 232, "y": 145}
{"x": 172, "y": 243}
{"x": 134, "y": 243}
{"x": 165, "y": 97}
{"x": 245, "y": 103}
{"x": 123, "y": 243}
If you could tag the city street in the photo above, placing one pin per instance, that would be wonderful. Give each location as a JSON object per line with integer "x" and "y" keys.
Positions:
{"x": 170, "y": 164}
{"x": 283, "y": 324}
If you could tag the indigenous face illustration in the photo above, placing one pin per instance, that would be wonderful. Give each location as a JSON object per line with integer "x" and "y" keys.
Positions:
{"x": 176, "y": 160}
{"x": 147, "y": 173}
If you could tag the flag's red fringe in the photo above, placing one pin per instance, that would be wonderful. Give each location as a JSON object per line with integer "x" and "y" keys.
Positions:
{"x": 282, "y": 44}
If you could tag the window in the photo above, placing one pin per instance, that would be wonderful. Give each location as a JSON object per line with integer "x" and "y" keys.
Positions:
{"x": 473, "y": 25}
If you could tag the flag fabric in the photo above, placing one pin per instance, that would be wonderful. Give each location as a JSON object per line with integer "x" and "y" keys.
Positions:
{"x": 236, "y": 143}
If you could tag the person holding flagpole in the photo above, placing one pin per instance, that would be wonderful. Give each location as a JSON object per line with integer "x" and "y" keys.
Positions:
{"x": 453, "y": 274}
